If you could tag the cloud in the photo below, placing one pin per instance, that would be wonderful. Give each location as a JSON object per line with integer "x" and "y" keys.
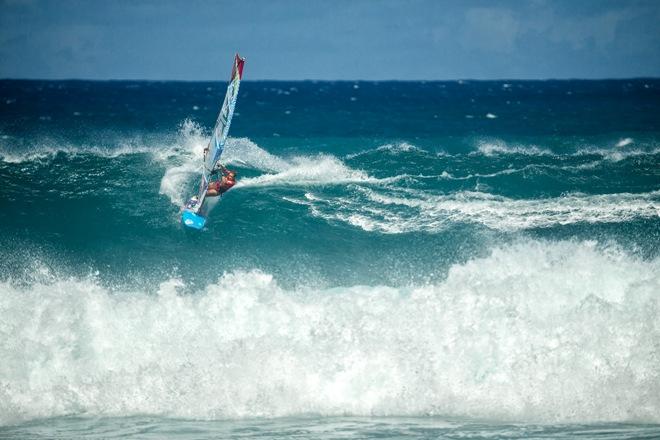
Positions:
{"x": 598, "y": 30}
{"x": 491, "y": 29}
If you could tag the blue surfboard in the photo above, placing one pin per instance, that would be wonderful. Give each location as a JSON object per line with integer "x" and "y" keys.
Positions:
{"x": 192, "y": 220}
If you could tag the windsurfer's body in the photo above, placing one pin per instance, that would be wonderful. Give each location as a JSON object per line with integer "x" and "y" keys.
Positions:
{"x": 222, "y": 184}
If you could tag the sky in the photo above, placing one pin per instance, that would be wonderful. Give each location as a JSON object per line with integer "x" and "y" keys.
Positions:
{"x": 329, "y": 39}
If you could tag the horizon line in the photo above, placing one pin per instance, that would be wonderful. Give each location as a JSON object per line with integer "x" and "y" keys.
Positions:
{"x": 633, "y": 78}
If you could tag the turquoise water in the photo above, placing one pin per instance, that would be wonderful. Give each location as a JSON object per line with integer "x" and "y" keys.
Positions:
{"x": 396, "y": 259}
{"x": 321, "y": 428}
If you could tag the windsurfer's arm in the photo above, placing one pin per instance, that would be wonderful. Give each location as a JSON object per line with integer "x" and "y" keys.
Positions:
{"x": 222, "y": 168}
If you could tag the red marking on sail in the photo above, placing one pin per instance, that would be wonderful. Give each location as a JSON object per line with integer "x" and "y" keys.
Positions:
{"x": 238, "y": 67}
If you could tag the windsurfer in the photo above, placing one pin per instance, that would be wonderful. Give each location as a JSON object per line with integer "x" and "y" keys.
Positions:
{"x": 222, "y": 184}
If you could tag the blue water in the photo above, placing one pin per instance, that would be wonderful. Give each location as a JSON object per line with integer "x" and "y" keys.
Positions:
{"x": 426, "y": 259}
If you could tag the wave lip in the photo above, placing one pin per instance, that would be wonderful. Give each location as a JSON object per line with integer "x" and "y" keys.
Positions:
{"x": 535, "y": 331}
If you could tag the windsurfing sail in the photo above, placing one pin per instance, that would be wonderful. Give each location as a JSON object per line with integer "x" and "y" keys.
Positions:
{"x": 216, "y": 145}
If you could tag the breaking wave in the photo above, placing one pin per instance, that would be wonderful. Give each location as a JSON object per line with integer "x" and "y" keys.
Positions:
{"x": 534, "y": 331}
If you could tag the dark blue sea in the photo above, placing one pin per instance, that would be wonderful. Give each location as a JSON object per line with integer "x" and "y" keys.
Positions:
{"x": 459, "y": 259}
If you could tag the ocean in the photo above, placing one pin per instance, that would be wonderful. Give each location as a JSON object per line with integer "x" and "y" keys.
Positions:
{"x": 453, "y": 259}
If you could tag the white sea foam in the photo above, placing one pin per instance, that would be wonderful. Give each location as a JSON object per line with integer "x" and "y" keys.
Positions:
{"x": 624, "y": 142}
{"x": 616, "y": 155}
{"x": 507, "y": 171}
{"x": 244, "y": 152}
{"x": 405, "y": 211}
{"x": 399, "y": 147}
{"x": 47, "y": 149}
{"x": 395, "y": 148}
{"x": 187, "y": 163}
{"x": 448, "y": 176}
{"x": 305, "y": 170}
{"x": 492, "y": 147}
{"x": 535, "y": 331}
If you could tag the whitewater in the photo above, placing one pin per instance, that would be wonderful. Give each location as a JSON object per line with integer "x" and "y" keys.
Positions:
{"x": 422, "y": 259}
